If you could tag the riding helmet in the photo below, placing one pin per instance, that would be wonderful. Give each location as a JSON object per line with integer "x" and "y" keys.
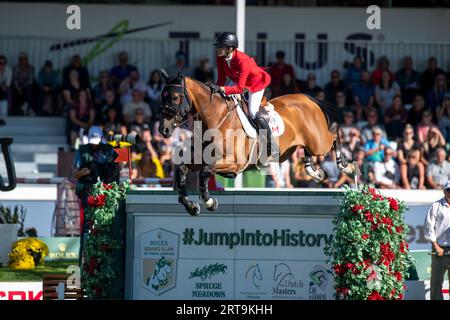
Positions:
{"x": 227, "y": 39}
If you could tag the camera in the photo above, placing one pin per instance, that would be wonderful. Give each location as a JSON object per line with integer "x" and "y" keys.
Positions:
{"x": 123, "y": 139}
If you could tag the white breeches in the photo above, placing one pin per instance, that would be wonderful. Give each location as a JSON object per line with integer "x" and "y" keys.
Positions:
{"x": 254, "y": 101}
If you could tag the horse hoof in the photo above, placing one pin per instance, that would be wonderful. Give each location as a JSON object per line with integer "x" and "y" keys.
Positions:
{"x": 211, "y": 204}
{"x": 194, "y": 209}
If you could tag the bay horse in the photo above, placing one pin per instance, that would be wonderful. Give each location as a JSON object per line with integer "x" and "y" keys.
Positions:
{"x": 307, "y": 124}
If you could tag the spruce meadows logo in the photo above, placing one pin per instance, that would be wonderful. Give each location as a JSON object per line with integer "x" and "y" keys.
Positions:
{"x": 208, "y": 271}
{"x": 159, "y": 253}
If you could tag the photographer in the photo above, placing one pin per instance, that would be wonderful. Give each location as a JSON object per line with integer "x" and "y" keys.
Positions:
{"x": 94, "y": 161}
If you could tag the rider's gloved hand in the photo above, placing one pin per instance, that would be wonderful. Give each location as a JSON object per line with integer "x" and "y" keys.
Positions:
{"x": 216, "y": 89}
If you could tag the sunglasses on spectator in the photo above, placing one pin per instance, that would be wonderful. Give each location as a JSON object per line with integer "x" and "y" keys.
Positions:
{"x": 409, "y": 132}
{"x": 334, "y": 76}
{"x": 371, "y": 116}
{"x": 377, "y": 134}
{"x": 447, "y": 190}
{"x": 2, "y": 62}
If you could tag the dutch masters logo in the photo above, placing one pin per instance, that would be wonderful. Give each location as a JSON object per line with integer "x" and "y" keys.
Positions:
{"x": 159, "y": 253}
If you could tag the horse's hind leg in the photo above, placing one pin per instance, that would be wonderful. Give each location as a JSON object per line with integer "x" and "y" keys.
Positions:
{"x": 318, "y": 175}
{"x": 342, "y": 162}
{"x": 210, "y": 203}
{"x": 191, "y": 207}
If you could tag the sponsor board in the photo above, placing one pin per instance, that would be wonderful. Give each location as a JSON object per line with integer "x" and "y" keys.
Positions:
{"x": 232, "y": 258}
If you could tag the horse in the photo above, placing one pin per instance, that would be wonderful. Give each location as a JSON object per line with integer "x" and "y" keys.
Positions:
{"x": 307, "y": 123}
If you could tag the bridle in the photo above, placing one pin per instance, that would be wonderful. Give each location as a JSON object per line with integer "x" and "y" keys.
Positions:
{"x": 184, "y": 107}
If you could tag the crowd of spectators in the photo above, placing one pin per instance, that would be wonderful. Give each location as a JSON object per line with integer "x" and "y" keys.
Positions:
{"x": 394, "y": 123}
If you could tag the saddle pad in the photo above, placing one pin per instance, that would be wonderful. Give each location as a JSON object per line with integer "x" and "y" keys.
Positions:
{"x": 276, "y": 123}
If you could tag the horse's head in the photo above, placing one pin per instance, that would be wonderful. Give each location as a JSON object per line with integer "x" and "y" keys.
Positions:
{"x": 176, "y": 105}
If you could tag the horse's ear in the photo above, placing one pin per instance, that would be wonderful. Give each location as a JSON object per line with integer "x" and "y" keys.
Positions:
{"x": 180, "y": 77}
{"x": 164, "y": 74}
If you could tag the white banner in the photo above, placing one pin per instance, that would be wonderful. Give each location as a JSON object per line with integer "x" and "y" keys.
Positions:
{"x": 20, "y": 290}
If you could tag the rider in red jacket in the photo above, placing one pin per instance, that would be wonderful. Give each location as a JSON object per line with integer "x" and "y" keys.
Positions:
{"x": 245, "y": 74}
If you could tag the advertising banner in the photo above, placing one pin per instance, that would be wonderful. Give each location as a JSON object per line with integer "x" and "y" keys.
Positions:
{"x": 20, "y": 290}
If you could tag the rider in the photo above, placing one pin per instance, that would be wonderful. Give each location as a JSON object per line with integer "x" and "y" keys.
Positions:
{"x": 244, "y": 74}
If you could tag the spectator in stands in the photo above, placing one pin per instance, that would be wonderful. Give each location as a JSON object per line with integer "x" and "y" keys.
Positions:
{"x": 438, "y": 172}
{"x": 110, "y": 102}
{"x": 48, "y": 89}
{"x": 372, "y": 122}
{"x": 375, "y": 148}
{"x": 204, "y": 72}
{"x": 112, "y": 122}
{"x": 354, "y": 72}
{"x": 377, "y": 75}
{"x": 434, "y": 141}
{"x": 320, "y": 96}
{"x": 72, "y": 88}
{"x": 100, "y": 89}
{"x": 348, "y": 125}
{"x": 350, "y": 147}
{"x": 23, "y": 79}
{"x": 333, "y": 173}
{"x": 363, "y": 93}
{"x": 155, "y": 86}
{"x": 165, "y": 157}
{"x": 443, "y": 114}
{"x": 412, "y": 172}
{"x": 387, "y": 173}
{"x": 311, "y": 87}
{"x": 278, "y": 71}
{"x": 341, "y": 106}
{"x": 130, "y": 108}
{"x": 179, "y": 66}
{"x": 139, "y": 122}
{"x": 145, "y": 159}
{"x": 385, "y": 93}
{"x": 408, "y": 80}
{"x": 407, "y": 144}
{"x": 436, "y": 96}
{"x": 288, "y": 85}
{"x": 81, "y": 115}
{"x": 5, "y": 86}
{"x": 334, "y": 86}
{"x": 395, "y": 119}
{"x": 415, "y": 113}
{"x": 128, "y": 85}
{"x": 83, "y": 73}
{"x": 122, "y": 70}
{"x": 280, "y": 175}
{"x": 424, "y": 126}
{"x": 428, "y": 76}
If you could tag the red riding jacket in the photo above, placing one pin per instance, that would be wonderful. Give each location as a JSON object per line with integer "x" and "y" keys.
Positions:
{"x": 243, "y": 71}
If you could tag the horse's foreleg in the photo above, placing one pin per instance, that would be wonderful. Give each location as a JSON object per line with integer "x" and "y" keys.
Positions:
{"x": 318, "y": 175}
{"x": 191, "y": 207}
{"x": 210, "y": 203}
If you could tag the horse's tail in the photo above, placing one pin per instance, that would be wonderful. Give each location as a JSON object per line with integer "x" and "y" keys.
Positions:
{"x": 330, "y": 113}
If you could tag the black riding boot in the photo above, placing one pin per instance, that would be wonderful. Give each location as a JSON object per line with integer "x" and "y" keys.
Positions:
{"x": 272, "y": 148}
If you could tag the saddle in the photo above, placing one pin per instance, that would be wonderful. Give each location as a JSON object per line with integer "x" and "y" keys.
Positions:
{"x": 266, "y": 109}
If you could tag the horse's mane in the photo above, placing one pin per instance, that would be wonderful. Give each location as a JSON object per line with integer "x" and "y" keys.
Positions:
{"x": 328, "y": 110}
